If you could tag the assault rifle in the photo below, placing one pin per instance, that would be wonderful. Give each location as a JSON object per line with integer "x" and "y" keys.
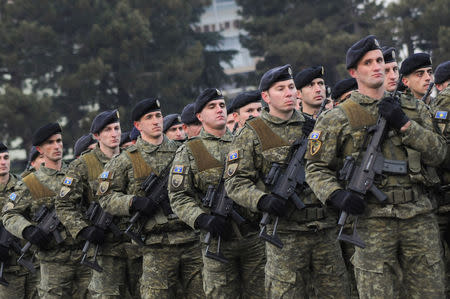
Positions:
{"x": 360, "y": 178}
{"x": 221, "y": 205}
{"x": 425, "y": 96}
{"x": 155, "y": 187}
{"x": 11, "y": 242}
{"x": 103, "y": 220}
{"x": 48, "y": 222}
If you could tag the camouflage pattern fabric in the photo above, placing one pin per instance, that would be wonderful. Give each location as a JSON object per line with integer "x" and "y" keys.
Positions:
{"x": 407, "y": 196}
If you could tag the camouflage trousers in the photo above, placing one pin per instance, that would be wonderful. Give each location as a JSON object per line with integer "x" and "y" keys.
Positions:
{"x": 62, "y": 275}
{"x": 443, "y": 220}
{"x": 171, "y": 271}
{"x": 242, "y": 276}
{"x": 134, "y": 268}
{"x": 411, "y": 245}
{"x": 310, "y": 264}
{"x": 21, "y": 285}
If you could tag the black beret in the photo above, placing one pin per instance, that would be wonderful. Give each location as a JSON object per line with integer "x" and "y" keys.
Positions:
{"x": 3, "y": 147}
{"x": 306, "y": 76}
{"x": 245, "y": 98}
{"x": 124, "y": 138}
{"x": 414, "y": 62}
{"x": 103, "y": 119}
{"x": 33, "y": 154}
{"x": 171, "y": 120}
{"x": 272, "y": 76}
{"x": 134, "y": 134}
{"x": 359, "y": 49}
{"x": 208, "y": 95}
{"x": 442, "y": 72}
{"x": 45, "y": 132}
{"x": 82, "y": 144}
{"x": 230, "y": 108}
{"x": 143, "y": 107}
{"x": 389, "y": 54}
{"x": 343, "y": 86}
{"x": 188, "y": 116}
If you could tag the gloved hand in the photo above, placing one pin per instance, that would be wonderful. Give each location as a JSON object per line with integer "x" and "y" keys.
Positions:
{"x": 273, "y": 205}
{"x": 145, "y": 205}
{"x": 4, "y": 253}
{"x": 216, "y": 225}
{"x": 391, "y": 110}
{"x": 93, "y": 234}
{"x": 308, "y": 126}
{"x": 35, "y": 235}
{"x": 347, "y": 201}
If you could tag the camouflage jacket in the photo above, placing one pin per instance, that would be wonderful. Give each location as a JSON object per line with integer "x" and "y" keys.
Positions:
{"x": 337, "y": 135}
{"x": 118, "y": 186}
{"x": 246, "y": 175}
{"x": 190, "y": 177}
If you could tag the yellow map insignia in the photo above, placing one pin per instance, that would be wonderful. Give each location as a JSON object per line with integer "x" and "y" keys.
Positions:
{"x": 177, "y": 180}
{"x": 64, "y": 190}
{"x": 103, "y": 187}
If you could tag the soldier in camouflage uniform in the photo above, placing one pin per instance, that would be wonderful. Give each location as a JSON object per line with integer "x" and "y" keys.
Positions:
{"x": 244, "y": 106}
{"x": 74, "y": 200}
{"x": 35, "y": 160}
{"x": 62, "y": 275}
{"x": 403, "y": 231}
{"x": 311, "y": 257}
{"x": 441, "y": 110}
{"x": 417, "y": 75}
{"x": 171, "y": 254}
{"x": 200, "y": 164}
{"x": 22, "y": 283}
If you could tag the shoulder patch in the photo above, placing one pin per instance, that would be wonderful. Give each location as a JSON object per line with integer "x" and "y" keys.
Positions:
{"x": 315, "y": 135}
{"x": 64, "y": 190}
{"x": 68, "y": 181}
{"x": 103, "y": 187}
{"x": 178, "y": 169}
{"x": 233, "y": 155}
{"x": 104, "y": 175}
{"x": 441, "y": 115}
{"x": 13, "y": 196}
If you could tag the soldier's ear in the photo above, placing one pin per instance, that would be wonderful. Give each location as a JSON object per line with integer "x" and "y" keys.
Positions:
{"x": 265, "y": 96}
{"x": 405, "y": 80}
{"x": 352, "y": 72}
{"x": 199, "y": 116}
{"x": 39, "y": 149}
{"x": 137, "y": 125}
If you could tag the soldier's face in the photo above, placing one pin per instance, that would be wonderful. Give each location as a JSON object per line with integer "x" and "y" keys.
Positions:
{"x": 176, "y": 132}
{"x": 214, "y": 115}
{"x": 231, "y": 120}
{"x": 5, "y": 163}
{"x": 281, "y": 96}
{"x": 391, "y": 76}
{"x": 442, "y": 86}
{"x": 251, "y": 109}
{"x": 150, "y": 124}
{"x": 370, "y": 70}
{"x": 37, "y": 162}
{"x": 109, "y": 136}
{"x": 419, "y": 81}
{"x": 192, "y": 130}
{"x": 313, "y": 94}
{"x": 52, "y": 148}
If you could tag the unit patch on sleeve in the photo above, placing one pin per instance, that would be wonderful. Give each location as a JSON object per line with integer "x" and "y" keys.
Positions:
{"x": 104, "y": 175}
{"x": 64, "y": 190}
{"x": 441, "y": 115}
{"x": 314, "y": 143}
{"x": 68, "y": 181}
{"x": 13, "y": 196}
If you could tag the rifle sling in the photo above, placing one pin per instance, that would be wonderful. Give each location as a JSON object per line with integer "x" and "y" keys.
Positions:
{"x": 202, "y": 156}
{"x": 358, "y": 117}
{"x": 266, "y": 135}
{"x": 94, "y": 166}
{"x": 37, "y": 189}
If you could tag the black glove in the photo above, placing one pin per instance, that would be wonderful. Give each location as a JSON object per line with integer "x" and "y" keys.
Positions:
{"x": 35, "y": 235}
{"x": 4, "y": 253}
{"x": 145, "y": 205}
{"x": 391, "y": 110}
{"x": 273, "y": 205}
{"x": 216, "y": 225}
{"x": 308, "y": 126}
{"x": 347, "y": 201}
{"x": 93, "y": 234}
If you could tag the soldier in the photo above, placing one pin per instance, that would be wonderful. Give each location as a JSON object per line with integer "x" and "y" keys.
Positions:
{"x": 74, "y": 200}
{"x": 35, "y": 160}
{"x": 311, "y": 89}
{"x": 417, "y": 75}
{"x": 171, "y": 252}
{"x": 441, "y": 109}
{"x": 231, "y": 122}
{"x": 390, "y": 69}
{"x": 173, "y": 127}
{"x": 343, "y": 89}
{"x": 310, "y": 255}
{"x": 125, "y": 140}
{"x": 198, "y": 165}
{"x": 402, "y": 231}
{"x": 84, "y": 143}
{"x": 22, "y": 284}
{"x": 245, "y": 105}
{"x": 62, "y": 275}
{"x": 191, "y": 124}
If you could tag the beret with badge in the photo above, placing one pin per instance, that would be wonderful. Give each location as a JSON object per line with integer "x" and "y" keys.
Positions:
{"x": 359, "y": 49}
{"x": 206, "y": 96}
{"x": 245, "y": 98}
{"x": 103, "y": 119}
{"x": 306, "y": 76}
{"x": 389, "y": 54}
{"x": 414, "y": 62}
{"x": 442, "y": 73}
{"x": 44, "y": 133}
{"x": 272, "y": 76}
{"x": 342, "y": 87}
{"x": 171, "y": 120}
{"x": 143, "y": 107}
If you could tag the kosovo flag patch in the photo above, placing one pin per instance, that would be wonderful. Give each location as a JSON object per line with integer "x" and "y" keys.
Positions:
{"x": 13, "y": 196}
{"x": 441, "y": 115}
{"x": 68, "y": 181}
{"x": 178, "y": 169}
{"x": 104, "y": 175}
